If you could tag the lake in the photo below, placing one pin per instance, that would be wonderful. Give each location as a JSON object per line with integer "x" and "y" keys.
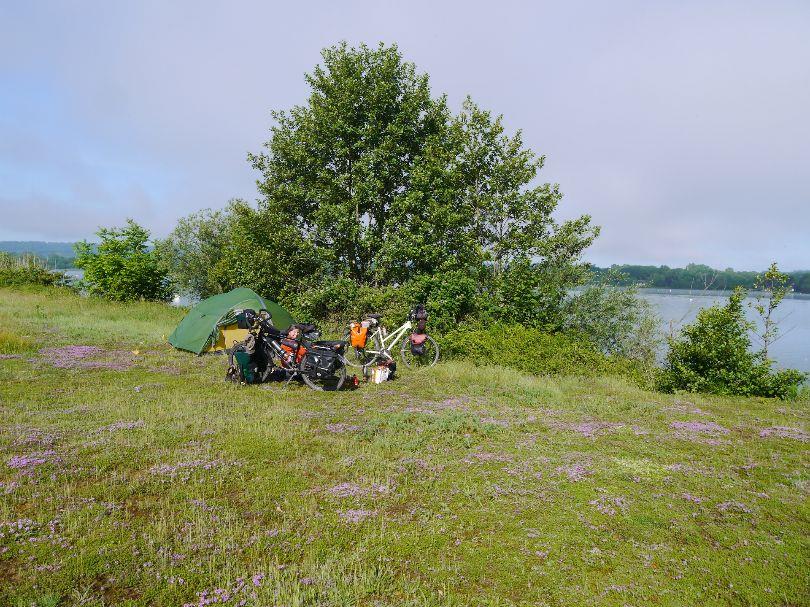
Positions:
{"x": 792, "y": 348}
{"x": 679, "y": 307}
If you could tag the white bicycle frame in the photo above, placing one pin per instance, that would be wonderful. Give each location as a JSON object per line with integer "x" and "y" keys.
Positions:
{"x": 387, "y": 340}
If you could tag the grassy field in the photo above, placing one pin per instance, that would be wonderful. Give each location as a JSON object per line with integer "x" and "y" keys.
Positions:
{"x": 131, "y": 474}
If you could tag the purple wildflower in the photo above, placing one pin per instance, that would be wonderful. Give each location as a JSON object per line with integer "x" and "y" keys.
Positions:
{"x": 588, "y": 429}
{"x": 609, "y": 506}
{"x": 785, "y": 432}
{"x": 692, "y": 498}
{"x": 8, "y": 488}
{"x": 239, "y": 593}
{"x": 355, "y": 515}
{"x": 184, "y": 469}
{"x": 732, "y": 505}
{"x": 26, "y": 463}
{"x": 355, "y": 490}
{"x": 202, "y": 505}
{"x": 503, "y": 423}
{"x": 483, "y": 456}
{"x": 18, "y": 530}
{"x": 575, "y": 472}
{"x": 700, "y": 427}
{"x": 74, "y": 357}
{"x": 340, "y": 428}
{"x": 38, "y": 437}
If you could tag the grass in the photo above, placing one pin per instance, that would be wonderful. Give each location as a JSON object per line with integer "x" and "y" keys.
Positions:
{"x": 131, "y": 474}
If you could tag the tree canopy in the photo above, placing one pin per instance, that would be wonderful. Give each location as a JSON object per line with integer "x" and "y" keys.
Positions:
{"x": 121, "y": 267}
{"x": 374, "y": 180}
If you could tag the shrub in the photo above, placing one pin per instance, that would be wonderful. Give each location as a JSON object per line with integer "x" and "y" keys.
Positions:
{"x": 616, "y": 320}
{"x": 714, "y": 355}
{"x": 26, "y": 270}
{"x": 450, "y": 298}
{"x": 121, "y": 267}
{"x": 338, "y": 300}
{"x": 531, "y": 350}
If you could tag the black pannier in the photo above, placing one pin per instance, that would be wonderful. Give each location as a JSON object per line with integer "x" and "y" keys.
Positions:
{"x": 321, "y": 362}
{"x": 418, "y": 344}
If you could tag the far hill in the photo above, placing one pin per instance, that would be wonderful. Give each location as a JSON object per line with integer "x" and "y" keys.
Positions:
{"x": 38, "y": 247}
{"x": 57, "y": 255}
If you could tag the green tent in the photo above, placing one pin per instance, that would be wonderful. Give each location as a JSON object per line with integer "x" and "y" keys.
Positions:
{"x": 211, "y": 324}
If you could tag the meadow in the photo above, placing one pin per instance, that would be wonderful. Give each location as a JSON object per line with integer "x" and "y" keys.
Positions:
{"x": 132, "y": 474}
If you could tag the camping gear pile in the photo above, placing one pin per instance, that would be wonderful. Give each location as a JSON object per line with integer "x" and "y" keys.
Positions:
{"x": 264, "y": 343}
{"x": 267, "y": 353}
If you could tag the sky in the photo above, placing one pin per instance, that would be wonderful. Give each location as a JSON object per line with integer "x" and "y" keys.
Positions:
{"x": 682, "y": 128}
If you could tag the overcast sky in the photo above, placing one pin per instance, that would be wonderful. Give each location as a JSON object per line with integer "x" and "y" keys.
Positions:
{"x": 682, "y": 127}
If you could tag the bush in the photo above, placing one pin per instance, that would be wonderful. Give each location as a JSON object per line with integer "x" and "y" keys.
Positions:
{"x": 26, "y": 270}
{"x": 616, "y": 320}
{"x": 713, "y": 355}
{"x": 532, "y": 351}
{"x": 450, "y": 299}
{"x": 121, "y": 267}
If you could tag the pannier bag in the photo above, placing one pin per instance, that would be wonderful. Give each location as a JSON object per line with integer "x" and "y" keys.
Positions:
{"x": 246, "y": 365}
{"x": 291, "y": 345}
{"x": 321, "y": 363}
{"x": 359, "y": 334}
{"x": 418, "y": 344}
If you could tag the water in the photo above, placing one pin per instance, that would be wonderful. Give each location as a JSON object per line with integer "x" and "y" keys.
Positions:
{"x": 792, "y": 348}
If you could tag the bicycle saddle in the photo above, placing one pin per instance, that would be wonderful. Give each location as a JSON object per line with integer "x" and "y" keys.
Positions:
{"x": 374, "y": 316}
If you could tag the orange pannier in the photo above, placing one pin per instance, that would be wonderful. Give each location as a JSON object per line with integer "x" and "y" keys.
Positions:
{"x": 359, "y": 335}
{"x": 290, "y": 344}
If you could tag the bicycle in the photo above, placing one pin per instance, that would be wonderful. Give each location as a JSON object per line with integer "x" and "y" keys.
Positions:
{"x": 293, "y": 354}
{"x": 380, "y": 343}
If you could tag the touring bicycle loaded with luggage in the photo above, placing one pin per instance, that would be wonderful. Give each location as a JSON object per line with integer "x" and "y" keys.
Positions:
{"x": 368, "y": 342}
{"x": 296, "y": 353}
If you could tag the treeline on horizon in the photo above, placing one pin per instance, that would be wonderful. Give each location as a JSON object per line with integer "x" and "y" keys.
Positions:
{"x": 693, "y": 277}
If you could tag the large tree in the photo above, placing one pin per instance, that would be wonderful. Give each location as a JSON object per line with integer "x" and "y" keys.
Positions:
{"x": 375, "y": 181}
{"x": 334, "y": 167}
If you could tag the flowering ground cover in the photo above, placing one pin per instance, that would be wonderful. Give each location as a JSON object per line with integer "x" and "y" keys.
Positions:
{"x": 147, "y": 480}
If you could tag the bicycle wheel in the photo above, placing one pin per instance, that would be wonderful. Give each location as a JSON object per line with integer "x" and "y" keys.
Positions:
{"x": 327, "y": 384}
{"x": 358, "y": 357}
{"x": 355, "y": 357}
{"x": 426, "y": 360}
